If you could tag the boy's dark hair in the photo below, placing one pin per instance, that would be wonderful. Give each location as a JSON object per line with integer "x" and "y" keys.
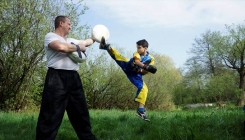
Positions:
{"x": 142, "y": 43}
{"x": 58, "y": 19}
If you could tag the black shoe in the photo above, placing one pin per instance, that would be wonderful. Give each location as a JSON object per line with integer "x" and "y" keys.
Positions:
{"x": 142, "y": 116}
{"x": 103, "y": 44}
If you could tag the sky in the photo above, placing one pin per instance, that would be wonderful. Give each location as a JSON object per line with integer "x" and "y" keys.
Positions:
{"x": 169, "y": 26}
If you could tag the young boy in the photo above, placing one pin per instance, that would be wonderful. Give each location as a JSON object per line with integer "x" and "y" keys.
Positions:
{"x": 141, "y": 64}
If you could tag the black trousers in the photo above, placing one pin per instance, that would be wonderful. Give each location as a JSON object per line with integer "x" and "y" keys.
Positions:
{"x": 63, "y": 90}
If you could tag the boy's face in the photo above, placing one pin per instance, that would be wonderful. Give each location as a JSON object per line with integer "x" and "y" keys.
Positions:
{"x": 141, "y": 49}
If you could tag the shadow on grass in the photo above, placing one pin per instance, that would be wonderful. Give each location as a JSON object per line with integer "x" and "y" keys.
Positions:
{"x": 15, "y": 127}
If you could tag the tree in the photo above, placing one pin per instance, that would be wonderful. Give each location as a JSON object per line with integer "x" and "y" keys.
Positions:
{"x": 206, "y": 67}
{"x": 205, "y": 54}
{"x": 231, "y": 48}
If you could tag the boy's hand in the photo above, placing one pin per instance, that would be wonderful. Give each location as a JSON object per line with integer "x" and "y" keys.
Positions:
{"x": 150, "y": 68}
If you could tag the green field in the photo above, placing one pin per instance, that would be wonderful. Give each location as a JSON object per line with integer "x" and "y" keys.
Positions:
{"x": 201, "y": 124}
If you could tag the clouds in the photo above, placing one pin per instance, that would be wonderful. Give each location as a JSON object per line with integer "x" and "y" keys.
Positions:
{"x": 170, "y": 13}
{"x": 169, "y": 26}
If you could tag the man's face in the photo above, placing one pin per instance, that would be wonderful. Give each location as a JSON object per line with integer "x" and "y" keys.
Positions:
{"x": 140, "y": 49}
{"x": 66, "y": 26}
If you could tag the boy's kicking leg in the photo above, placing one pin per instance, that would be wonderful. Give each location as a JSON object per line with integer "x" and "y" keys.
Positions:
{"x": 120, "y": 60}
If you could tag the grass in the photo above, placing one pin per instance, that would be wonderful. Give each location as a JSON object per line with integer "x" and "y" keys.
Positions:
{"x": 201, "y": 124}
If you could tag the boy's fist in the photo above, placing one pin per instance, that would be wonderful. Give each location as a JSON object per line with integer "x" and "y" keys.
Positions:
{"x": 150, "y": 68}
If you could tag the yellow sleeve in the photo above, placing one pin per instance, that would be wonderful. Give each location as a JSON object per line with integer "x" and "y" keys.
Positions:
{"x": 136, "y": 56}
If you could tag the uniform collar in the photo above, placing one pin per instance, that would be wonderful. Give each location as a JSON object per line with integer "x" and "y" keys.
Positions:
{"x": 147, "y": 53}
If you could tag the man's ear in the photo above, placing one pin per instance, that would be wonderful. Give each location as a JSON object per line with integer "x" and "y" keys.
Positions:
{"x": 61, "y": 23}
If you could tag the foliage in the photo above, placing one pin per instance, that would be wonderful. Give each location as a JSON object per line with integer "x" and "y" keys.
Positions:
{"x": 222, "y": 87}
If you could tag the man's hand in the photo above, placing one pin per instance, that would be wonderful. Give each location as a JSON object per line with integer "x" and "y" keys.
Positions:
{"x": 150, "y": 68}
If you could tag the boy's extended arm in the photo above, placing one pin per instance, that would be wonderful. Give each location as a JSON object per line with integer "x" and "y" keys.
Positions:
{"x": 150, "y": 68}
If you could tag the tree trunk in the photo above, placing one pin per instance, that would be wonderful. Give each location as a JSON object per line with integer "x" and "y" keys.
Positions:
{"x": 241, "y": 100}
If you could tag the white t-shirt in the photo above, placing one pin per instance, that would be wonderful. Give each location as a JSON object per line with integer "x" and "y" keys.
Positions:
{"x": 56, "y": 59}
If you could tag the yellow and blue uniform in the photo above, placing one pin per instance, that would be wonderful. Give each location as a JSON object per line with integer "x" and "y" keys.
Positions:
{"x": 134, "y": 72}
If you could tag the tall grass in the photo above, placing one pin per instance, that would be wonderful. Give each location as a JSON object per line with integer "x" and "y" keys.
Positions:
{"x": 202, "y": 124}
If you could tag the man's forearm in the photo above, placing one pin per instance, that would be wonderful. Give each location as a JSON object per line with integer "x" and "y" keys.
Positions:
{"x": 89, "y": 41}
{"x": 63, "y": 47}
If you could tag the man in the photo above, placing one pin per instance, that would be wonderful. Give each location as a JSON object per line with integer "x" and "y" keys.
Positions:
{"x": 63, "y": 88}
